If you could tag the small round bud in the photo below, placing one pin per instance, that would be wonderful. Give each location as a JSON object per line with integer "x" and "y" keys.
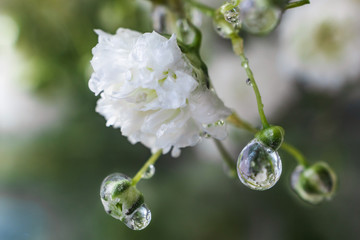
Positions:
{"x": 272, "y": 136}
{"x": 259, "y": 167}
{"x": 314, "y": 184}
{"x": 123, "y": 201}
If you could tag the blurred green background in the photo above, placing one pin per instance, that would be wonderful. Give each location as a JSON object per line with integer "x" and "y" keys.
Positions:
{"x": 50, "y": 172}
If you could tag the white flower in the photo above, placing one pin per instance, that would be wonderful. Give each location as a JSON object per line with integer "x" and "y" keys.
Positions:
{"x": 149, "y": 91}
{"x": 320, "y": 42}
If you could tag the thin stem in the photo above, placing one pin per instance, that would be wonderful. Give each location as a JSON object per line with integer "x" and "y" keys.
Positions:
{"x": 238, "y": 122}
{"x": 296, "y": 4}
{"x": 245, "y": 64}
{"x": 202, "y": 7}
{"x": 141, "y": 172}
{"x": 295, "y": 152}
{"x": 237, "y": 43}
{"x": 226, "y": 157}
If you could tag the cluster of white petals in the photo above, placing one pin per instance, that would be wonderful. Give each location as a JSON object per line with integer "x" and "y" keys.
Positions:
{"x": 320, "y": 42}
{"x": 149, "y": 90}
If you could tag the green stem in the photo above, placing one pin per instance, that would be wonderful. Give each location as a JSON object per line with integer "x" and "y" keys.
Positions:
{"x": 237, "y": 43}
{"x": 295, "y": 152}
{"x": 297, "y": 4}
{"x": 202, "y": 7}
{"x": 245, "y": 64}
{"x": 141, "y": 172}
{"x": 235, "y": 120}
{"x": 226, "y": 157}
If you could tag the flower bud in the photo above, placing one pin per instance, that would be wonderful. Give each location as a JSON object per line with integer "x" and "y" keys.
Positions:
{"x": 123, "y": 201}
{"x": 272, "y": 136}
{"x": 314, "y": 184}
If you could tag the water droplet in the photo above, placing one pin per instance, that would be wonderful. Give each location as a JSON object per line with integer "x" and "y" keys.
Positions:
{"x": 139, "y": 219}
{"x": 205, "y": 135}
{"x": 220, "y": 123}
{"x": 314, "y": 184}
{"x": 257, "y": 17}
{"x": 123, "y": 201}
{"x": 115, "y": 183}
{"x": 233, "y": 16}
{"x": 248, "y": 82}
{"x": 258, "y": 168}
{"x": 149, "y": 173}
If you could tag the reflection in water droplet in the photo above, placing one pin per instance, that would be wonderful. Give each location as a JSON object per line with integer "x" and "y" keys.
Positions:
{"x": 149, "y": 173}
{"x": 123, "y": 201}
{"x": 248, "y": 82}
{"x": 258, "y": 168}
{"x": 233, "y": 16}
{"x": 139, "y": 219}
{"x": 220, "y": 123}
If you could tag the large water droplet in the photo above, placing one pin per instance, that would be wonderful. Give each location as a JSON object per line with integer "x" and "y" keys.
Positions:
{"x": 259, "y": 17}
{"x": 257, "y": 167}
{"x": 116, "y": 182}
{"x": 139, "y": 219}
{"x": 123, "y": 201}
{"x": 149, "y": 173}
{"x": 314, "y": 184}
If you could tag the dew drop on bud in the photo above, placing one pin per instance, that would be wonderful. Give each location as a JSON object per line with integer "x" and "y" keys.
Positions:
{"x": 233, "y": 15}
{"x": 139, "y": 219}
{"x": 258, "y": 166}
{"x": 116, "y": 182}
{"x": 124, "y": 202}
{"x": 149, "y": 173}
{"x": 315, "y": 183}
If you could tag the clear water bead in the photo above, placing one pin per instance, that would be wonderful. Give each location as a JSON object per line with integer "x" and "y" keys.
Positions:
{"x": 258, "y": 16}
{"x": 149, "y": 173}
{"x": 111, "y": 184}
{"x": 248, "y": 82}
{"x": 123, "y": 201}
{"x": 259, "y": 167}
{"x": 139, "y": 219}
{"x": 233, "y": 15}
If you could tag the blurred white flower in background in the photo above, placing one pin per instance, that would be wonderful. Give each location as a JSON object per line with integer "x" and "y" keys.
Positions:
{"x": 149, "y": 90}
{"x": 21, "y": 112}
{"x": 320, "y": 43}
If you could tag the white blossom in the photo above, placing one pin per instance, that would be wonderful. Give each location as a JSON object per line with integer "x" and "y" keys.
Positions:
{"x": 320, "y": 43}
{"x": 149, "y": 90}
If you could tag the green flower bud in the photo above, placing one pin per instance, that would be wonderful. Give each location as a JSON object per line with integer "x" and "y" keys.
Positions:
{"x": 272, "y": 136}
{"x": 314, "y": 184}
